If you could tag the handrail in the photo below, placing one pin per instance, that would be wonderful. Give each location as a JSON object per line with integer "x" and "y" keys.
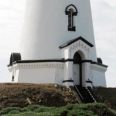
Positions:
{"x": 91, "y": 95}
{"x": 79, "y": 92}
{"x": 91, "y": 82}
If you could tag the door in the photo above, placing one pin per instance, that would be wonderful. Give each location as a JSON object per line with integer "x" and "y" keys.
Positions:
{"x": 76, "y": 74}
{"x": 77, "y": 69}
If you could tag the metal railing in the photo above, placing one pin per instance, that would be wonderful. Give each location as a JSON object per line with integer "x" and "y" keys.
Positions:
{"x": 91, "y": 95}
{"x": 78, "y": 92}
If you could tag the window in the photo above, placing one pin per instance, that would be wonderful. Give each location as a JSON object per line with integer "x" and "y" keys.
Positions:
{"x": 71, "y": 11}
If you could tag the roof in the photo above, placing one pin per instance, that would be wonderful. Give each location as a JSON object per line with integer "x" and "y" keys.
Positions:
{"x": 74, "y": 40}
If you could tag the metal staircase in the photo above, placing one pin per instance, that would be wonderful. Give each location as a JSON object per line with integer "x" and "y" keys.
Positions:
{"x": 85, "y": 93}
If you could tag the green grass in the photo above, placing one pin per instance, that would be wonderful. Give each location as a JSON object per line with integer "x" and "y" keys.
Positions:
{"x": 69, "y": 110}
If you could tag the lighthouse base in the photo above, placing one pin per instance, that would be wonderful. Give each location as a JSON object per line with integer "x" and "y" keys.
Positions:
{"x": 57, "y": 72}
{"x": 78, "y": 66}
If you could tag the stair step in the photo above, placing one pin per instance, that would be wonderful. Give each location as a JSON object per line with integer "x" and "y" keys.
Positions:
{"x": 85, "y": 94}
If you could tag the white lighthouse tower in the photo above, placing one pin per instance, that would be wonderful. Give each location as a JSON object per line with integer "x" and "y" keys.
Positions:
{"x": 57, "y": 45}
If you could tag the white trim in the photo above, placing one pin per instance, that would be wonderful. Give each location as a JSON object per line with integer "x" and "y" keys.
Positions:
{"x": 37, "y": 65}
{"x": 98, "y": 68}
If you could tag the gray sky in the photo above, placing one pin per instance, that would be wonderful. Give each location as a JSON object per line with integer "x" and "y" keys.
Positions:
{"x": 104, "y": 20}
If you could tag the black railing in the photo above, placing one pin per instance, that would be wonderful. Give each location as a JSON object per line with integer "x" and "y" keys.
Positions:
{"x": 85, "y": 94}
{"x": 78, "y": 92}
{"x": 91, "y": 94}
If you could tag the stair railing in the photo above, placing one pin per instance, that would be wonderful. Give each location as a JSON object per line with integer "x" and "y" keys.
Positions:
{"x": 90, "y": 82}
{"x": 78, "y": 92}
{"x": 91, "y": 95}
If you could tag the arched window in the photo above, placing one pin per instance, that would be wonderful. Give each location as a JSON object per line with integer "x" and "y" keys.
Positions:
{"x": 71, "y": 11}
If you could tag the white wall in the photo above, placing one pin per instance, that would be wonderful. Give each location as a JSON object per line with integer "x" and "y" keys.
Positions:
{"x": 56, "y": 73}
{"x": 45, "y": 27}
{"x": 38, "y": 73}
{"x": 98, "y": 75}
{"x": 44, "y": 75}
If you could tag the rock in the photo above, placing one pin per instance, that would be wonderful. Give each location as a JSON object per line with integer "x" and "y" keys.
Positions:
{"x": 22, "y": 95}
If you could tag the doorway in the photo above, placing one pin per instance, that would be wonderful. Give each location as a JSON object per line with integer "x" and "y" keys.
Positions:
{"x": 77, "y": 69}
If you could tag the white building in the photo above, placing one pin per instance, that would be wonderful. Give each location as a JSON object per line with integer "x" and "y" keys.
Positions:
{"x": 58, "y": 45}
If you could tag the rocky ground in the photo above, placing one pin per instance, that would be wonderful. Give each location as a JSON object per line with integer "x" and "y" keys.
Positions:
{"x": 21, "y": 95}
{"x": 107, "y": 96}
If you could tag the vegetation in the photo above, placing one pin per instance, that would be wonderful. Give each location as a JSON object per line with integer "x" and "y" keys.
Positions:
{"x": 107, "y": 96}
{"x": 68, "y": 110}
{"x": 22, "y": 95}
{"x": 52, "y": 100}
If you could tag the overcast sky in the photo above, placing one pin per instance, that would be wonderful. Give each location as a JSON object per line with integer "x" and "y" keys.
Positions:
{"x": 104, "y": 20}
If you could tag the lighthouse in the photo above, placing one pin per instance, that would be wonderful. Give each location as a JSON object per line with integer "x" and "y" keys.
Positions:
{"x": 57, "y": 45}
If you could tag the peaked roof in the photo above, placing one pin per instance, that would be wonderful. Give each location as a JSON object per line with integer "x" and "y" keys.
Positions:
{"x": 74, "y": 40}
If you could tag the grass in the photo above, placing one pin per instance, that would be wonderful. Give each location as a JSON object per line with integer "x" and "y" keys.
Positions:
{"x": 68, "y": 110}
{"x": 54, "y": 96}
